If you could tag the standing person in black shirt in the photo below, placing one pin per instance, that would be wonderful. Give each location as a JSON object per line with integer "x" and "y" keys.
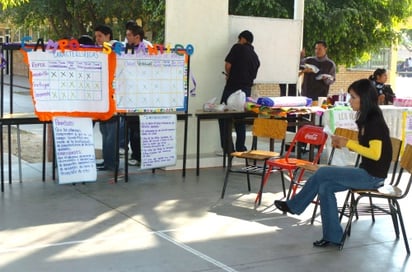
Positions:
{"x": 319, "y": 73}
{"x": 241, "y": 66}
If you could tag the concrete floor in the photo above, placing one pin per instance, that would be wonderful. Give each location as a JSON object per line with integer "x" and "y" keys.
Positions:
{"x": 164, "y": 222}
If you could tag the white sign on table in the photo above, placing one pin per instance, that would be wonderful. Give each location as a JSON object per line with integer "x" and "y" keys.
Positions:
{"x": 73, "y": 140}
{"x": 158, "y": 140}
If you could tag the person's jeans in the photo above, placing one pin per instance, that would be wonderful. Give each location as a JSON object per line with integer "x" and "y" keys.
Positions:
{"x": 122, "y": 143}
{"x": 134, "y": 130}
{"x": 325, "y": 182}
{"x": 240, "y": 127}
{"x": 108, "y": 130}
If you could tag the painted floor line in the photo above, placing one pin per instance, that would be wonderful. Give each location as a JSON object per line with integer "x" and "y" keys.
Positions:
{"x": 195, "y": 252}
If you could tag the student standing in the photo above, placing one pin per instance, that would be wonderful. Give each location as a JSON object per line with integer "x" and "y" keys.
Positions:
{"x": 319, "y": 73}
{"x": 134, "y": 36}
{"x": 103, "y": 33}
{"x": 241, "y": 66}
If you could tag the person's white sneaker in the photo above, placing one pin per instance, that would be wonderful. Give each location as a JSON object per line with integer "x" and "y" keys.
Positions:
{"x": 122, "y": 151}
{"x": 133, "y": 162}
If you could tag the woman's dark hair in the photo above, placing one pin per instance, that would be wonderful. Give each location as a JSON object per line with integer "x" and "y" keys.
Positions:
{"x": 378, "y": 72}
{"x": 368, "y": 101}
{"x": 105, "y": 30}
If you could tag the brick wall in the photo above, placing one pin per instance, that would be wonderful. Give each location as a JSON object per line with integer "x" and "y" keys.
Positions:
{"x": 344, "y": 78}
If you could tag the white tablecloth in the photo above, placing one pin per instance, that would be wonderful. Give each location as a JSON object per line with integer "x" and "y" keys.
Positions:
{"x": 398, "y": 119}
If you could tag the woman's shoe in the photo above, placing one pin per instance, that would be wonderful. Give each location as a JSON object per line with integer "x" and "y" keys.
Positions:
{"x": 281, "y": 205}
{"x": 324, "y": 243}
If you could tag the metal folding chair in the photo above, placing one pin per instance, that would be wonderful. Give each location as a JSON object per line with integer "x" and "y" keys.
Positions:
{"x": 399, "y": 189}
{"x": 306, "y": 135}
{"x": 255, "y": 159}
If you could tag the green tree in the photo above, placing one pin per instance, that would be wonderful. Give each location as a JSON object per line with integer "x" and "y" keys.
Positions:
{"x": 351, "y": 28}
{"x": 74, "y": 18}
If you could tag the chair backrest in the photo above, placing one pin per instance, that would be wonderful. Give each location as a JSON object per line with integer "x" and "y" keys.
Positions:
{"x": 273, "y": 129}
{"x": 406, "y": 165}
{"x": 312, "y": 135}
{"x": 270, "y": 128}
{"x": 396, "y": 152}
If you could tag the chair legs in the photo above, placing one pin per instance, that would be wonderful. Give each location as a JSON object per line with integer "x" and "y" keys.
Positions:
{"x": 262, "y": 184}
{"x": 229, "y": 170}
{"x": 395, "y": 212}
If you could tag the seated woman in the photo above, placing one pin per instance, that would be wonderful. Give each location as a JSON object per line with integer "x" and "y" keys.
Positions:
{"x": 385, "y": 93}
{"x": 374, "y": 146}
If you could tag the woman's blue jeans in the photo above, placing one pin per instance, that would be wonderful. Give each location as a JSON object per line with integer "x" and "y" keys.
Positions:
{"x": 325, "y": 182}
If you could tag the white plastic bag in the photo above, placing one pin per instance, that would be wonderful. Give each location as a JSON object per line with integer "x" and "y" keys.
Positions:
{"x": 236, "y": 101}
{"x": 211, "y": 106}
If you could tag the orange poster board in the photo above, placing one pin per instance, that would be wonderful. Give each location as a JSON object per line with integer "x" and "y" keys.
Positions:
{"x": 75, "y": 83}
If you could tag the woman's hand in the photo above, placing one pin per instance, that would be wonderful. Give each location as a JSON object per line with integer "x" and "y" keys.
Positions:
{"x": 339, "y": 141}
{"x": 381, "y": 99}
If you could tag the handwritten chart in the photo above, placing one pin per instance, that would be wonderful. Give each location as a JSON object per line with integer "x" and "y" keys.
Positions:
{"x": 158, "y": 140}
{"x": 149, "y": 83}
{"x": 73, "y": 138}
{"x": 70, "y": 82}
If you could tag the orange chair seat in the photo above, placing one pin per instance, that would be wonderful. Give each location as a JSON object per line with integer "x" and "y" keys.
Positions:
{"x": 289, "y": 164}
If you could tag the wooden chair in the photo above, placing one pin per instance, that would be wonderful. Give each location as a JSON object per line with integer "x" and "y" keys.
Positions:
{"x": 396, "y": 152}
{"x": 399, "y": 189}
{"x": 307, "y": 135}
{"x": 255, "y": 160}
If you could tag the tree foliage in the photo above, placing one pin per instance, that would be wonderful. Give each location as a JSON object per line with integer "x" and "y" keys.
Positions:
{"x": 73, "y": 18}
{"x": 351, "y": 28}
{"x": 11, "y": 3}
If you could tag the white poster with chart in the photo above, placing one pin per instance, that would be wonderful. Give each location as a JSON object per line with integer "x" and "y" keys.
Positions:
{"x": 71, "y": 83}
{"x": 74, "y": 145}
{"x": 158, "y": 140}
{"x": 151, "y": 83}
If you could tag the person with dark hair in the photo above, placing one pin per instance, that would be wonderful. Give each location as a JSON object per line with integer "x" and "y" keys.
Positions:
{"x": 103, "y": 33}
{"x": 134, "y": 36}
{"x": 131, "y": 25}
{"x": 319, "y": 73}
{"x": 375, "y": 148}
{"x": 385, "y": 92}
{"x": 241, "y": 67}
{"x": 86, "y": 40}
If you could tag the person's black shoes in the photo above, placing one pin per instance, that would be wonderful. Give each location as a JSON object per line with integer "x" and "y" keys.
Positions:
{"x": 281, "y": 205}
{"x": 323, "y": 243}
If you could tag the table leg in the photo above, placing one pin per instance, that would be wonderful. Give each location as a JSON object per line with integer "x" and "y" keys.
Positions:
{"x": 198, "y": 146}
{"x": 185, "y": 148}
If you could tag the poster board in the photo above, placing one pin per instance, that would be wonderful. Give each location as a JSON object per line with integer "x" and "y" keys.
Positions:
{"x": 277, "y": 43}
{"x": 71, "y": 82}
{"x": 343, "y": 117}
{"x": 151, "y": 82}
{"x": 407, "y": 128}
{"x": 75, "y": 154}
{"x": 158, "y": 140}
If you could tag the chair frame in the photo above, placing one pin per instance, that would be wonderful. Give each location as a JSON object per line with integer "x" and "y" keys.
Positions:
{"x": 392, "y": 197}
{"x": 396, "y": 152}
{"x": 307, "y": 134}
{"x": 273, "y": 129}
